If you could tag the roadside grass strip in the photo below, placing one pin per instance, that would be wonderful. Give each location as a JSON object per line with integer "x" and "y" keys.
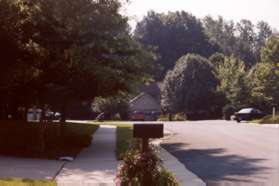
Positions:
{"x": 25, "y": 182}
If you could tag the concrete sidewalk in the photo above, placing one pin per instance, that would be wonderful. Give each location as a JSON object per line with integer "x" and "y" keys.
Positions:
{"x": 12, "y": 167}
{"x": 96, "y": 165}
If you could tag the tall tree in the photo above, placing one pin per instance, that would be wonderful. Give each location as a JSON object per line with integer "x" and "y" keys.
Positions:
{"x": 270, "y": 53}
{"x": 78, "y": 50}
{"x": 233, "y": 81}
{"x": 264, "y": 32}
{"x": 17, "y": 58}
{"x": 246, "y": 41}
{"x": 173, "y": 35}
{"x": 243, "y": 39}
{"x": 264, "y": 85}
{"x": 82, "y": 45}
{"x": 222, "y": 33}
{"x": 190, "y": 86}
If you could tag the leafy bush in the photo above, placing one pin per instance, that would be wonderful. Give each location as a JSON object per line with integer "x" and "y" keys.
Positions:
{"x": 228, "y": 110}
{"x": 144, "y": 169}
{"x": 19, "y": 138}
{"x": 114, "y": 108}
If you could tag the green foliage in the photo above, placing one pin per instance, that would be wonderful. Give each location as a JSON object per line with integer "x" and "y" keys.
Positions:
{"x": 56, "y": 49}
{"x": 19, "y": 138}
{"x": 124, "y": 136}
{"x": 242, "y": 39}
{"x": 264, "y": 85}
{"x": 172, "y": 35}
{"x": 190, "y": 86}
{"x": 111, "y": 106}
{"x": 233, "y": 81}
{"x": 217, "y": 59}
{"x": 270, "y": 53}
{"x": 137, "y": 166}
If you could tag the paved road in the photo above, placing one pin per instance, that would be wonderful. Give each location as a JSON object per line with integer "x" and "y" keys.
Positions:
{"x": 227, "y": 153}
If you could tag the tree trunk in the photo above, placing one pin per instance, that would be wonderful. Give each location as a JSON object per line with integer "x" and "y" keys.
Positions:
{"x": 42, "y": 132}
{"x": 2, "y": 112}
{"x": 62, "y": 126}
{"x": 170, "y": 117}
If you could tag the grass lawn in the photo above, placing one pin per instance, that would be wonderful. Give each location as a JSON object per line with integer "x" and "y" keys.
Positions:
{"x": 113, "y": 123}
{"x": 267, "y": 120}
{"x": 124, "y": 134}
{"x": 18, "y": 138}
{"x": 25, "y": 182}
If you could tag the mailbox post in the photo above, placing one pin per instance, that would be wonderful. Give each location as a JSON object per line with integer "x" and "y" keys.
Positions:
{"x": 145, "y": 131}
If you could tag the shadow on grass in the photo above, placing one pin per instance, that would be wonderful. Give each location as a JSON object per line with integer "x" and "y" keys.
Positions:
{"x": 213, "y": 165}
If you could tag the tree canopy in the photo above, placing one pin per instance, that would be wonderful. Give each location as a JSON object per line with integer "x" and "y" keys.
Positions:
{"x": 264, "y": 84}
{"x": 190, "y": 86}
{"x": 243, "y": 39}
{"x": 232, "y": 81}
{"x": 59, "y": 51}
{"x": 173, "y": 35}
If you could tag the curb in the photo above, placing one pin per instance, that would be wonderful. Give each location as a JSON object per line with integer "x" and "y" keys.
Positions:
{"x": 180, "y": 172}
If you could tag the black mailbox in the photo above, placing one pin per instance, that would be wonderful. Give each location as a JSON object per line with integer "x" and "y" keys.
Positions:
{"x": 147, "y": 130}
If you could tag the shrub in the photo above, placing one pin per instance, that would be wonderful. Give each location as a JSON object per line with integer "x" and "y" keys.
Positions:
{"x": 144, "y": 169}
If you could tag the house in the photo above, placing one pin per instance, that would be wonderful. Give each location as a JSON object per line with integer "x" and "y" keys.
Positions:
{"x": 147, "y": 103}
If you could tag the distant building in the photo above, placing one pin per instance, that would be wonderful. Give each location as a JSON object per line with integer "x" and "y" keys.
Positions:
{"x": 147, "y": 104}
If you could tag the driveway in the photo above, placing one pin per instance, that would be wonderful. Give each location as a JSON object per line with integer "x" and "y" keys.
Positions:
{"x": 227, "y": 153}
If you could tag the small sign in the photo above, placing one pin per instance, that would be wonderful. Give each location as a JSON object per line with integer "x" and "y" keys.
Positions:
{"x": 148, "y": 130}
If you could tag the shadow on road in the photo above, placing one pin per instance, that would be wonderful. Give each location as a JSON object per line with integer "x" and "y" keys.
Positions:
{"x": 213, "y": 165}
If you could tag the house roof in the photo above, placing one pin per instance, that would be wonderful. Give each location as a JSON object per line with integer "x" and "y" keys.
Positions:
{"x": 144, "y": 101}
{"x": 136, "y": 98}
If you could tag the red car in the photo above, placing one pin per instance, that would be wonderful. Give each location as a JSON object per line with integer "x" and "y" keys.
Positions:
{"x": 137, "y": 116}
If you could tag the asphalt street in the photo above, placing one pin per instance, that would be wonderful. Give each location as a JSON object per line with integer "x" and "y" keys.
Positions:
{"x": 227, "y": 153}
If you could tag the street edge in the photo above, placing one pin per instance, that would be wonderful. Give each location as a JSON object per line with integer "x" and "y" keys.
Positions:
{"x": 180, "y": 172}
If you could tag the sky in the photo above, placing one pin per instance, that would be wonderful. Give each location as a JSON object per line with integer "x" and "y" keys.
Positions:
{"x": 254, "y": 10}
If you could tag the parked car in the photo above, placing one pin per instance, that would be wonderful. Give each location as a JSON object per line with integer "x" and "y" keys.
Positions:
{"x": 247, "y": 114}
{"x": 137, "y": 116}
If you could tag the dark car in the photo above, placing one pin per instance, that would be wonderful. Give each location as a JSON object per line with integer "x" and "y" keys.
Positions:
{"x": 247, "y": 114}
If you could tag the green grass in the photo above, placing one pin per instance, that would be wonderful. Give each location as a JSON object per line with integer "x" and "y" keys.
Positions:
{"x": 124, "y": 134}
{"x": 267, "y": 120}
{"x": 25, "y": 182}
{"x": 114, "y": 123}
{"x": 18, "y": 138}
